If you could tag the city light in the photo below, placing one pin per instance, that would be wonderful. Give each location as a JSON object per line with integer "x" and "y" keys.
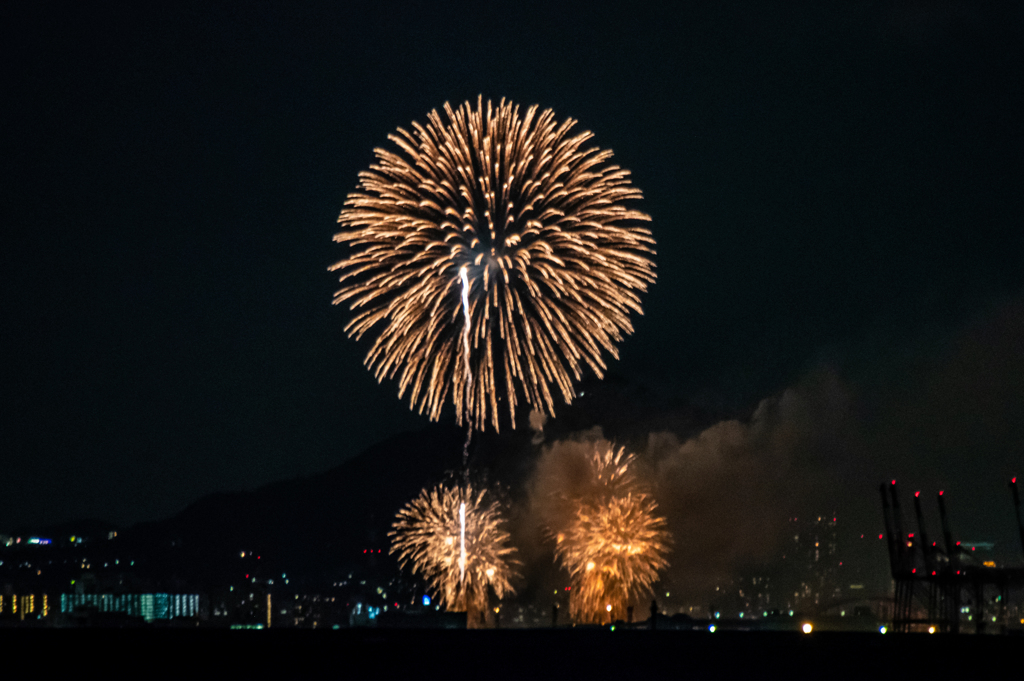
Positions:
{"x": 401, "y": 601}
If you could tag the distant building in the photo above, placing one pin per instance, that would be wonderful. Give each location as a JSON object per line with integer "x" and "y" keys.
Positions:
{"x": 149, "y": 607}
{"x": 24, "y": 606}
{"x": 811, "y": 563}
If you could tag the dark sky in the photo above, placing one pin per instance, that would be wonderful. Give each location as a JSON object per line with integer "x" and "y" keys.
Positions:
{"x": 835, "y": 187}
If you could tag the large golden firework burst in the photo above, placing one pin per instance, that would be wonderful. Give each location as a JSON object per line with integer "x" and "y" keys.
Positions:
{"x": 613, "y": 550}
{"x": 512, "y": 207}
{"x": 428, "y": 535}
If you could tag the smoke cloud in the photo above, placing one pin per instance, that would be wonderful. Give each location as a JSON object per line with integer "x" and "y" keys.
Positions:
{"x": 726, "y": 493}
{"x": 943, "y": 412}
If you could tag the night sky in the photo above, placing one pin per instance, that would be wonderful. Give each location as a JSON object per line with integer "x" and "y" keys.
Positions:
{"x": 836, "y": 190}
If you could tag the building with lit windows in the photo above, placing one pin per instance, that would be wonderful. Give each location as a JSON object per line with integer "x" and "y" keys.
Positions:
{"x": 24, "y": 607}
{"x": 811, "y": 560}
{"x": 149, "y": 607}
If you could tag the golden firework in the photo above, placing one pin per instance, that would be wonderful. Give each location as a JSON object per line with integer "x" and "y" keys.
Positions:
{"x": 571, "y": 474}
{"x": 508, "y": 208}
{"x": 607, "y": 534}
{"x": 611, "y": 469}
{"x": 612, "y": 550}
{"x": 453, "y": 537}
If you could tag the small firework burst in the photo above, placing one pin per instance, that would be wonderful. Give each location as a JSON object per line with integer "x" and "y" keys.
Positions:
{"x": 611, "y": 469}
{"x": 496, "y": 257}
{"x": 613, "y": 551}
{"x": 453, "y": 536}
{"x": 607, "y": 533}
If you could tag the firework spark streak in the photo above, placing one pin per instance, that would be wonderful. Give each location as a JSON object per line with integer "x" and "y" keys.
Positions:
{"x": 467, "y": 323}
{"x": 454, "y": 538}
{"x": 462, "y": 541}
{"x": 508, "y": 213}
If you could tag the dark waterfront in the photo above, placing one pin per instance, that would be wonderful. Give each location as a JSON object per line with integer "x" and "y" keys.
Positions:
{"x": 528, "y": 654}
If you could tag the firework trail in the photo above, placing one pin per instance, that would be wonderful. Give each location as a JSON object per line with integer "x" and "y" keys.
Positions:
{"x": 506, "y": 214}
{"x": 453, "y": 536}
{"x": 467, "y": 322}
{"x": 607, "y": 533}
{"x": 462, "y": 541}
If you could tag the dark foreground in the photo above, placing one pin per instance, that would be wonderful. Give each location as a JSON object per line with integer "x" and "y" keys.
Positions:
{"x": 517, "y": 654}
